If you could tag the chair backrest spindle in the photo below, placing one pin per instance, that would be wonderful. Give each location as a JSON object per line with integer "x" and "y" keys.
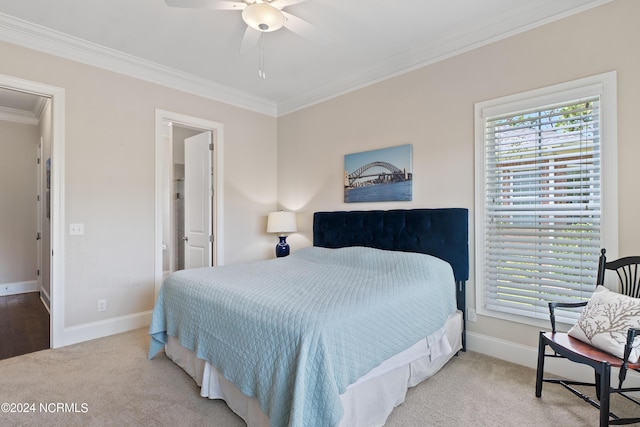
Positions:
{"x": 602, "y": 262}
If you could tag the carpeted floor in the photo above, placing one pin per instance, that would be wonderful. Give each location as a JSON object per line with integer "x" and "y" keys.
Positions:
{"x": 110, "y": 382}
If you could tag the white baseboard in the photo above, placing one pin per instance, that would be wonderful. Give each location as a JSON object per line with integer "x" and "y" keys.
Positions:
{"x": 18, "y": 288}
{"x": 46, "y": 299}
{"x": 528, "y": 356}
{"x": 104, "y": 328}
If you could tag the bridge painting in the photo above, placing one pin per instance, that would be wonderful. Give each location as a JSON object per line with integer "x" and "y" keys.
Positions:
{"x": 378, "y": 175}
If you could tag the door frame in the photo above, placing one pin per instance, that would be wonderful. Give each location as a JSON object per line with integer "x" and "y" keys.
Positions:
{"x": 57, "y": 258}
{"x": 217, "y": 130}
{"x": 41, "y": 200}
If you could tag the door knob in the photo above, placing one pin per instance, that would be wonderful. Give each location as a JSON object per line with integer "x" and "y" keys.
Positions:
{"x": 185, "y": 238}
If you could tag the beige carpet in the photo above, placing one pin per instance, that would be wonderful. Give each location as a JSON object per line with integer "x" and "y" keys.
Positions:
{"x": 110, "y": 382}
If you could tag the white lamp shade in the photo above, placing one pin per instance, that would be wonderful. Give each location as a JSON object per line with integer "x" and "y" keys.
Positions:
{"x": 281, "y": 222}
{"x": 263, "y": 17}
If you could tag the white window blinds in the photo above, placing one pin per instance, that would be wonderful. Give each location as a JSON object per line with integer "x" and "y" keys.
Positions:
{"x": 542, "y": 206}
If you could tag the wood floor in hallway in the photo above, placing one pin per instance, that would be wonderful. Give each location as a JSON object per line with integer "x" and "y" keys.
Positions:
{"x": 24, "y": 325}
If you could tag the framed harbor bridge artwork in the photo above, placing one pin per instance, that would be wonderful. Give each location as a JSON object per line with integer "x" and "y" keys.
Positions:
{"x": 382, "y": 175}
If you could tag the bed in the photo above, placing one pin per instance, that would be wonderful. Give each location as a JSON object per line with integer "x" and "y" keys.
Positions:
{"x": 332, "y": 335}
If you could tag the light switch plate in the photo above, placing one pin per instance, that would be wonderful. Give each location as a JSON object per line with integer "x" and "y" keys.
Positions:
{"x": 76, "y": 229}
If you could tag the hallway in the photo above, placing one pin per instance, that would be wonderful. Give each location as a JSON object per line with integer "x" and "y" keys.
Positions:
{"x": 24, "y": 325}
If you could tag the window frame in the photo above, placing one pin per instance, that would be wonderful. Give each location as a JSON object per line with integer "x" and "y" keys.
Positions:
{"x": 602, "y": 85}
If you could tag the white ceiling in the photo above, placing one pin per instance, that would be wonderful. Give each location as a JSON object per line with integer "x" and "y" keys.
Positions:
{"x": 358, "y": 42}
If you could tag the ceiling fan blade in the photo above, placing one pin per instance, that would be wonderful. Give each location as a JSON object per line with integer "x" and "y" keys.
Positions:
{"x": 281, "y": 4}
{"x": 249, "y": 39}
{"x": 302, "y": 28}
{"x": 207, "y": 4}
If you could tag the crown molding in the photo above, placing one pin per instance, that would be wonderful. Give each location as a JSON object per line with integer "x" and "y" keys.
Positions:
{"x": 26, "y": 34}
{"x": 38, "y": 109}
{"x": 18, "y": 116}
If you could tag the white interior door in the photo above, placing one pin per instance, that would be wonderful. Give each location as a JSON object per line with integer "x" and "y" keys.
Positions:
{"x": 198, "y": 200}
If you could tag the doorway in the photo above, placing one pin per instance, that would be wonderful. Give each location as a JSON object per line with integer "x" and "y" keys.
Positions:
{"x": 24, "y": 279}
{"x": 50, "y": 202}
{"x": 189, "y": 196}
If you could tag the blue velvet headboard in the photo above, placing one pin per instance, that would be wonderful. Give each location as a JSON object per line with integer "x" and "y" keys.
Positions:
{"x": 439, "y": 232}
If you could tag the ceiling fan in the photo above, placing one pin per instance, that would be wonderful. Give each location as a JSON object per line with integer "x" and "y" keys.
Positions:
{"x": 261, "y": 16}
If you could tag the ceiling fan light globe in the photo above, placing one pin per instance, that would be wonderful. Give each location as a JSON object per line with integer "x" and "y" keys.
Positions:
{"x": 263, "y": 17}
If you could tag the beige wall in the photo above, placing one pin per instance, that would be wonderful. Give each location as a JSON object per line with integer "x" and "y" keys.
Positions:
{"x": 109, "y": 176}
{"x": 18, "y": 148}
{"x": 433, "y": 109}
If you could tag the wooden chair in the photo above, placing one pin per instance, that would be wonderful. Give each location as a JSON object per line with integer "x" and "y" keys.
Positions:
{"x": 565, "y": 346}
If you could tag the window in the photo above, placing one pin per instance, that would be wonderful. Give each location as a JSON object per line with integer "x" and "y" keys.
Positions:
{"x": 545, "y": 197}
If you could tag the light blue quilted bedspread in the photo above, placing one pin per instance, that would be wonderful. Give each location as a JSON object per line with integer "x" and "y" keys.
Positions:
{"x": 296, "y": 331}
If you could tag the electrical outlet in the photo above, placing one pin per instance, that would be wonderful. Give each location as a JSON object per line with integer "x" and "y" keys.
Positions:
{"x": 471, "y": 315}
{"x": 102, "y": 305}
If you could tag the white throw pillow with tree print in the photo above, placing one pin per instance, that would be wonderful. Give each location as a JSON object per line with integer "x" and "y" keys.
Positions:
{"x": 605, "y": 321}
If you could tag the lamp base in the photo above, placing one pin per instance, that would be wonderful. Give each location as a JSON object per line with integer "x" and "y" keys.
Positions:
{"x": 282, "y": 248}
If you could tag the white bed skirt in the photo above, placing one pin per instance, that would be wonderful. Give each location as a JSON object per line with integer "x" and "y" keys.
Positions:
{"x": 367, "y": 402}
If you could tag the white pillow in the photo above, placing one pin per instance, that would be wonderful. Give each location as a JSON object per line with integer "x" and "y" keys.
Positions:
{"x": 605, "y": 321}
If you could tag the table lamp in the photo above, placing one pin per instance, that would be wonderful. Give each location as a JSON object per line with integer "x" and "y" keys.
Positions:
{"x": 282, "y": 223}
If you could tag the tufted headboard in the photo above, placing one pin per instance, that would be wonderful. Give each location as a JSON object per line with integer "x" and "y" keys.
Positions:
{"x": 439, "y": 232}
